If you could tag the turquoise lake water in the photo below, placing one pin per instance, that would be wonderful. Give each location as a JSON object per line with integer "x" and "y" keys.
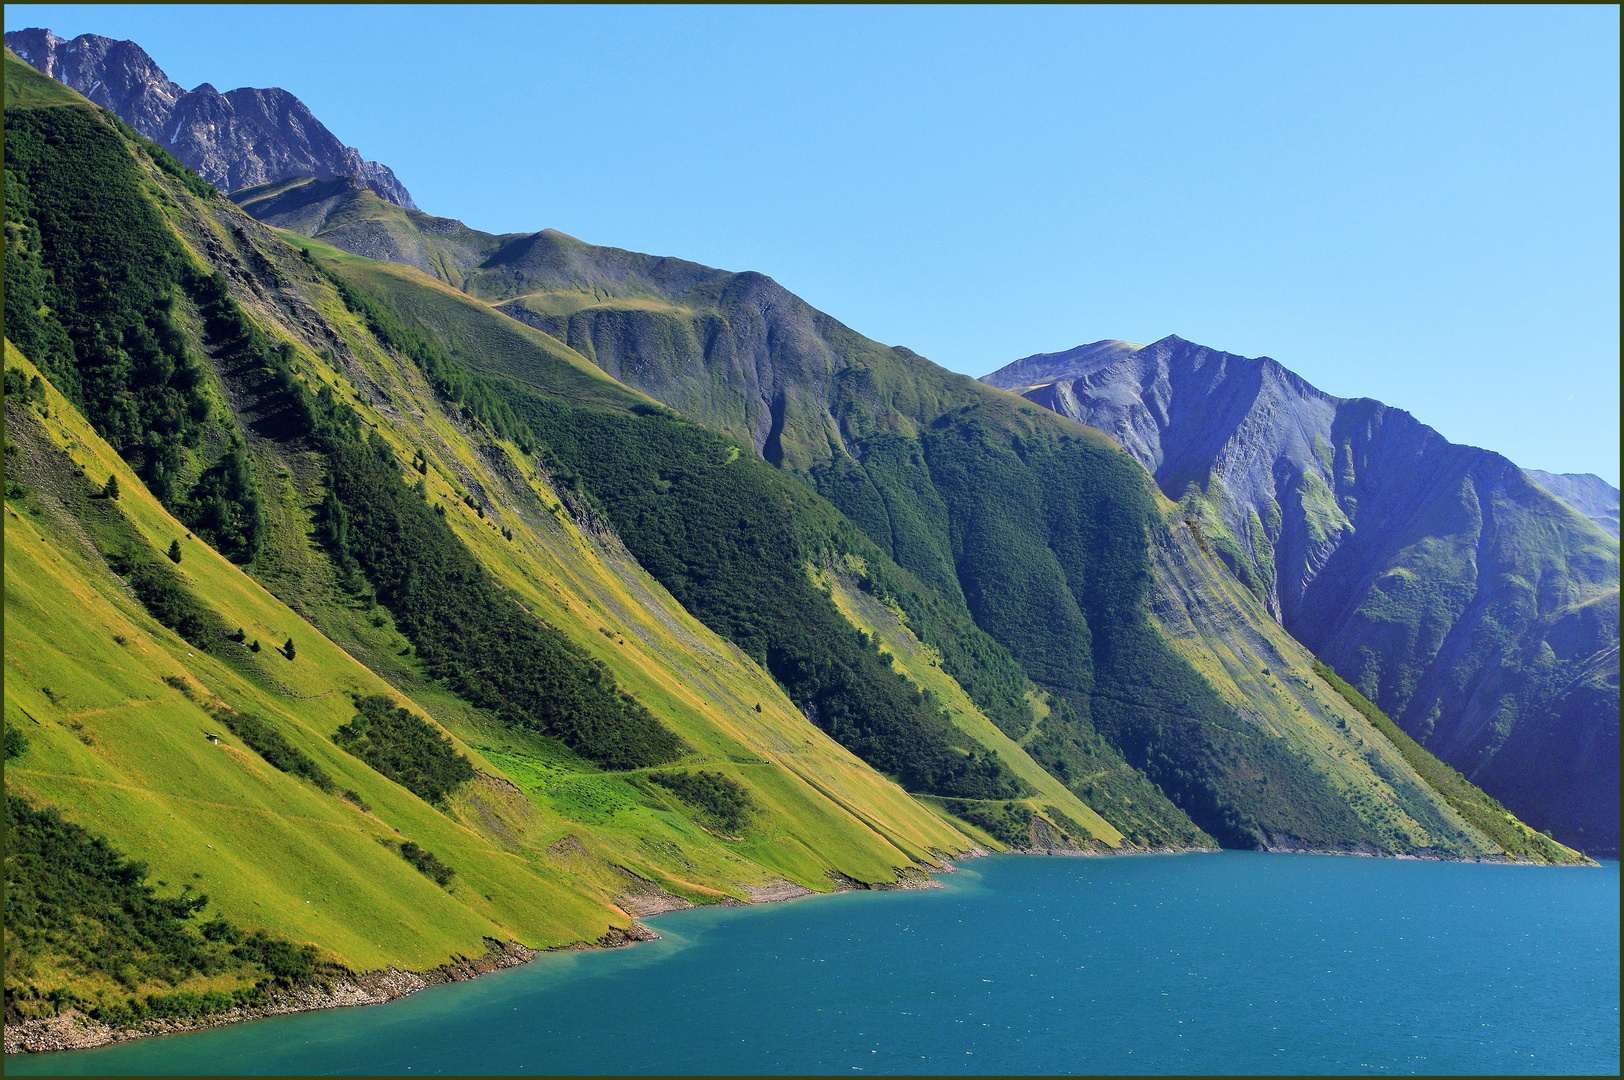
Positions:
{"x": 1231, "y": 963}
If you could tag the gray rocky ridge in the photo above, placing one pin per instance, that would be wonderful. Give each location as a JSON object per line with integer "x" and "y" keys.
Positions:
{"x": 1475, "y": 607}
{"x": 241, "y": 138}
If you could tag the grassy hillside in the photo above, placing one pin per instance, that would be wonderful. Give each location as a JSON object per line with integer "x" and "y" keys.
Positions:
{"x": 1436, "y": 577}
{"x": 1211, "y": 761}
{"x": 1017, "y": 522}
{"x": 288, "y": 823}
{"x": 730, "y": 537}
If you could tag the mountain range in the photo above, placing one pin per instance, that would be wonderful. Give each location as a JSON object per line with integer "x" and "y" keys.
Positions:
{"x": 385, "y": 596}
{"x": 237, "y": 139}
{"x": 1460, "y": 595}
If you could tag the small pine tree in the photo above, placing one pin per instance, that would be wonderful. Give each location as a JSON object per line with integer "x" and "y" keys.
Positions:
{"x": 255, "y": 646}
{"x": 174, "y": 551}
{"x": 110, "y": 489}
{"x": 287, "y": 650}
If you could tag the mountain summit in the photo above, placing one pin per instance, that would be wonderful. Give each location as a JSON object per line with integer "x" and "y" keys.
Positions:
{"x": 234, "y": 140}
{"x": 1477, "y": 609}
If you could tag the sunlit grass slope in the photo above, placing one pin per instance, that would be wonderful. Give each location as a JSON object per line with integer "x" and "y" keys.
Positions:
{"x": 543, "y": 843}
{"x": 1292, "y": 768}
{"x": 922, "y": 665}
{"x": 123, "y": 752}
{"x": 1056, "y": 543}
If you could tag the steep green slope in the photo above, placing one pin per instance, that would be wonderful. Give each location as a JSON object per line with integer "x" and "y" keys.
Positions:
{"x": 732, "y": 538}
{"x": 1016, "y": 554}
{"x": 113, "y": 681}
{"x": 1485, "y": 813}
{"x": 1046, "y": 536}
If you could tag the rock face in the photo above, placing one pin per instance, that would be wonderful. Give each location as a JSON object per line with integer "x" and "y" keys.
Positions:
{"x": 1475, "y": 608}
{"x": 238, "y": 139}
{"x": 1587, "y": 493}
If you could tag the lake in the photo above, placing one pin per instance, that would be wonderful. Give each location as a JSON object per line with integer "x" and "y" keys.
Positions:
{"x": 1237, "y": 962}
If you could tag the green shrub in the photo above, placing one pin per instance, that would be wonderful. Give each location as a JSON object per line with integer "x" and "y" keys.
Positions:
{"x": 1009, "y": 823}
{"x": 75, "y": 902}
{"x": 404, "y": 748}
{"x": 721, "y": 801}
{"x": 1480, "y": 809}
{"x": 426, "y": 863}
{"x": 270, "y": 744}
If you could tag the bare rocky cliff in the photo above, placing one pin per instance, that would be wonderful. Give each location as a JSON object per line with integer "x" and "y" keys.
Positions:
{"x": 1475, "y": 607}
{"x": 238, "y": 139}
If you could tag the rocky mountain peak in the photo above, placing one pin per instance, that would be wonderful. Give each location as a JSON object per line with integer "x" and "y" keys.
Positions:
{"x": 239, "y": 139}
{"x": 1467, "y": 598}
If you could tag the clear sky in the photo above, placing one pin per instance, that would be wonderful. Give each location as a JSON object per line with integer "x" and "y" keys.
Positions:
{"x": 1413, "y": 204}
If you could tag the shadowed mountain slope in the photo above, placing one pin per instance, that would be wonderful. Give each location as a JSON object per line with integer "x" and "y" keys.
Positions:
{"x": 1587, "y": 493}
{"x": 1470, "y": 604}
{"x": 237, "y": 139}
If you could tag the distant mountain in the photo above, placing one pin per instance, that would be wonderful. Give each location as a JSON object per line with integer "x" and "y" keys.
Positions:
{"x": 1471, "y": 605}
{"x": 1587, "y": 493}
{"x": 234, "y": 140}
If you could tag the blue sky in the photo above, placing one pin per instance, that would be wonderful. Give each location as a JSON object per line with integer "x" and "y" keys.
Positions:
{"x": 1413, "y": 204}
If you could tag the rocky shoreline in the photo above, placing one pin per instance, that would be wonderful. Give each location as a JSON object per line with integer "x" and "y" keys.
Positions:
{"x": 72, "y": 1030}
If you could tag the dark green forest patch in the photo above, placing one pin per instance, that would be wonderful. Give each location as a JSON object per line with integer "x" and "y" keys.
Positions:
{"x": 405, "y": 749}
{"x": 721, "y": 801}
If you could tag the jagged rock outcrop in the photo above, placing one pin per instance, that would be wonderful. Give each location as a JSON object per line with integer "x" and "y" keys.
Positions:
{"x": 238, "y": 139}
{"x": 1587, "y": 493}
{"x": 1474, "y": 607}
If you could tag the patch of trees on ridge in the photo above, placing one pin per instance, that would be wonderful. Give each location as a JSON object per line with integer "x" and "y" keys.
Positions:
{"x": 91, "y": 248}
{"x": 405, "y": 749}
{"x": 730, "y": 537}
{"x": 721, "y": 800}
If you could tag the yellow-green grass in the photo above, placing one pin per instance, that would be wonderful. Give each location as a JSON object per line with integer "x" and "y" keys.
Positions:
{"x": 487, "y": 340}
{"x": 921, "y": 665}
{"x": 124, "y": 753}
{"x": 157, "y": 789}
{"x": 567, "y": 303}
{"x": 1218, "y": 626}
{"x": 823, "y": 809}
{"x": 1476, "y": 806}
{"x": 701, "y": 685}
